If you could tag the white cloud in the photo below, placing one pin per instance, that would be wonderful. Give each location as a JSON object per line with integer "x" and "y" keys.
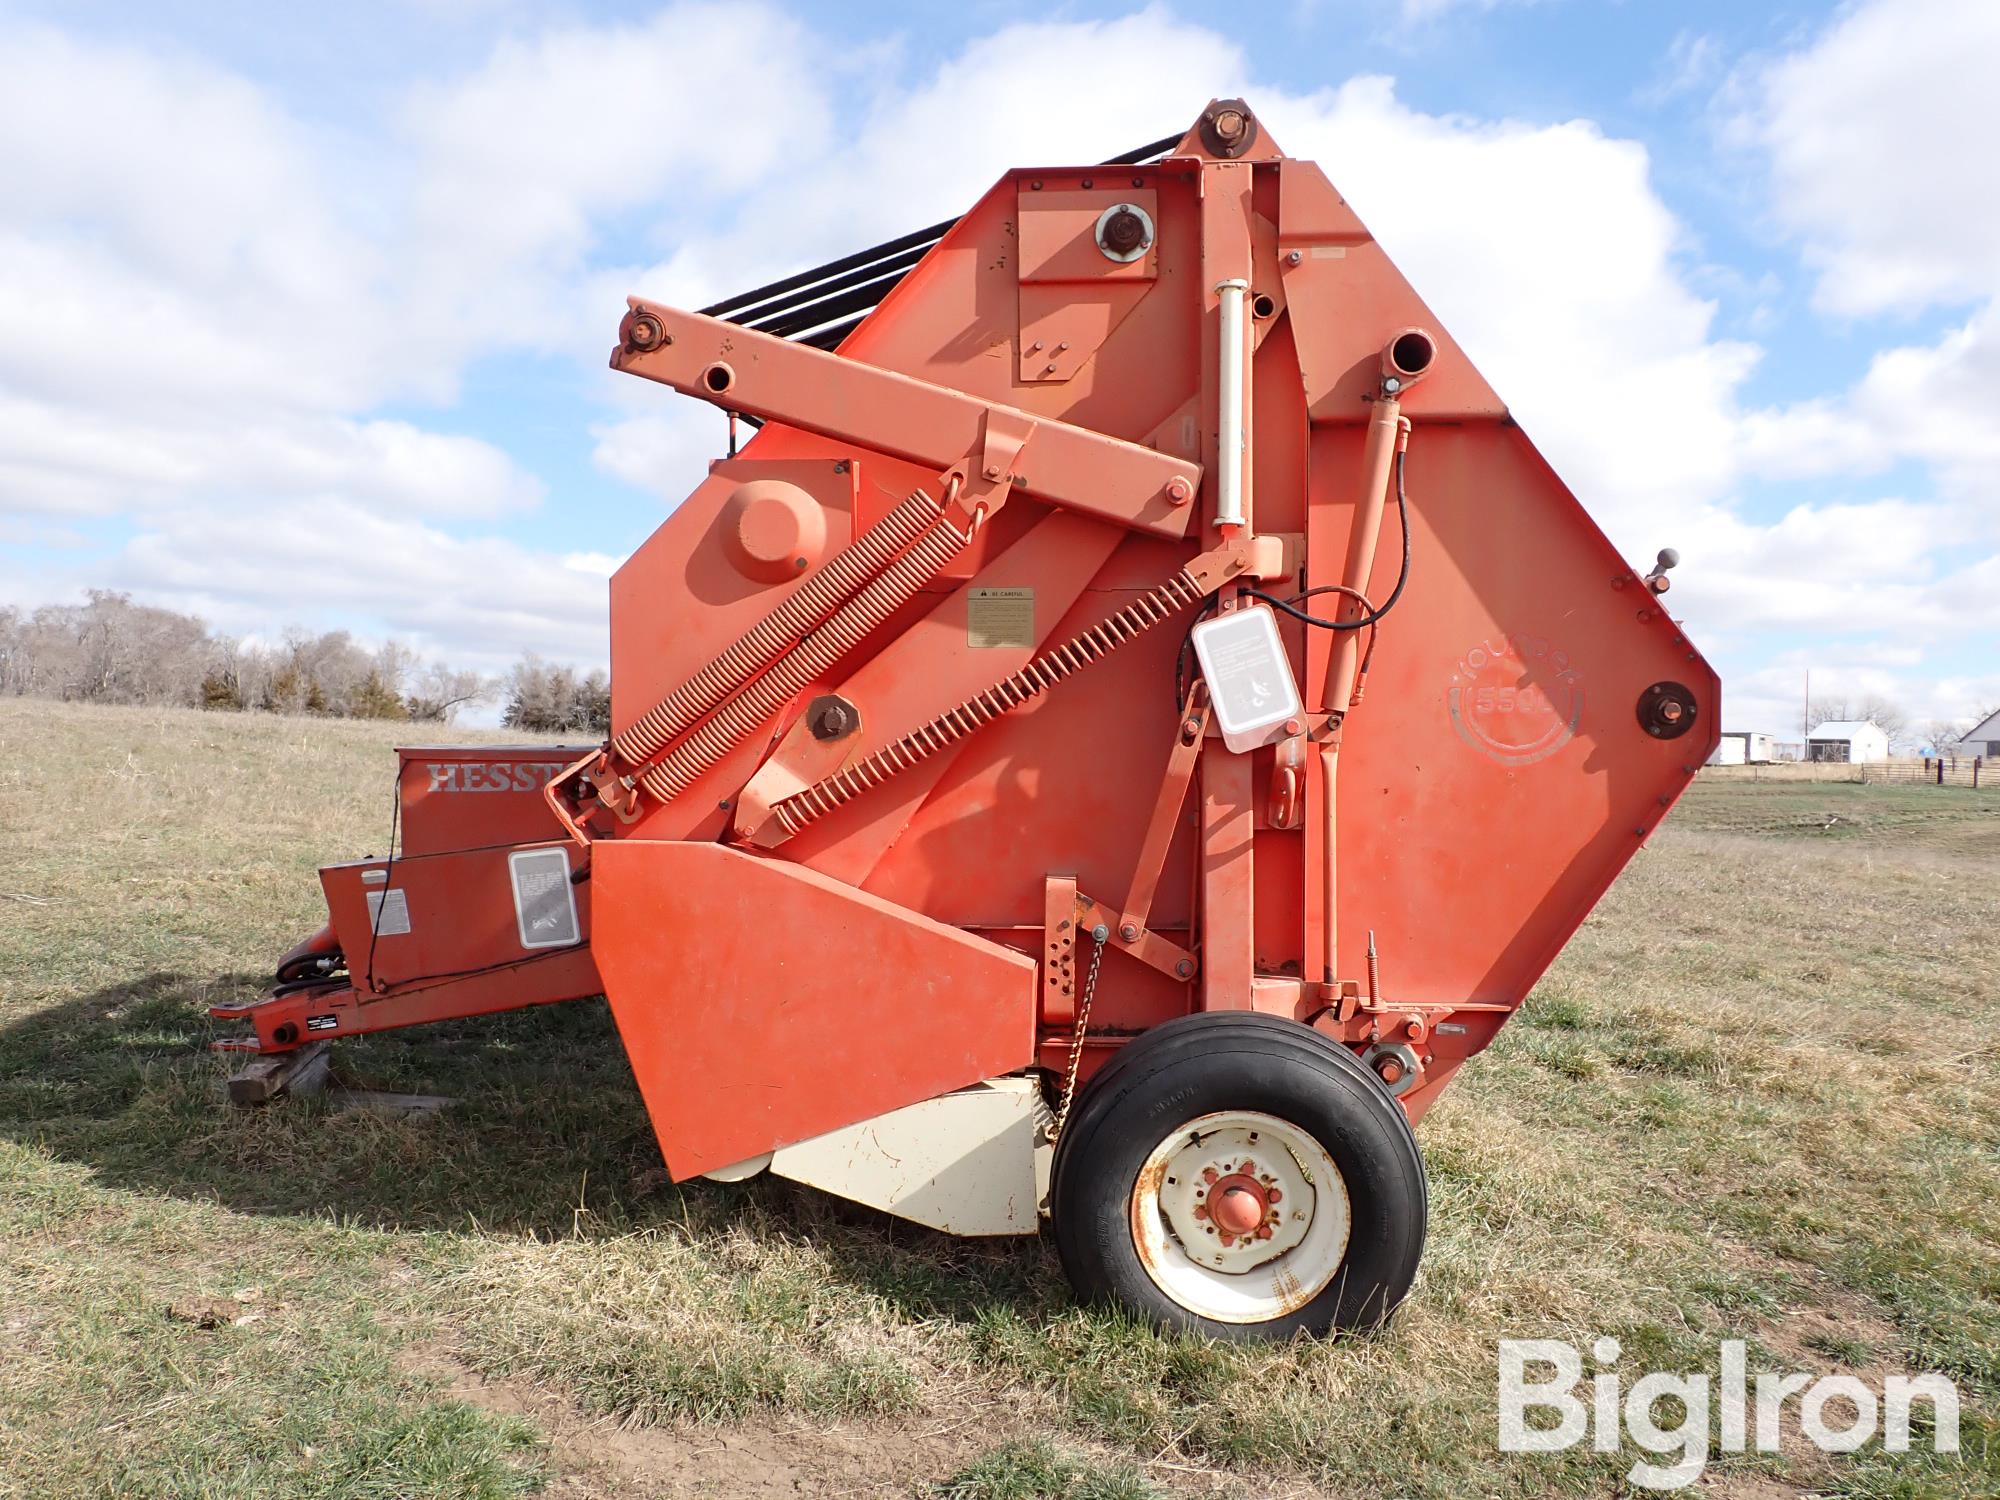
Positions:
{"x": 202, "y": 300}
{"x": 205, "y": 304}
{"x": 481, "y": 600}
{"x": 1419, "y": 12}
{"x": 1879, "y": 139}
{"x": 1550, "y": 257}
{"x": 1870, "y": 131}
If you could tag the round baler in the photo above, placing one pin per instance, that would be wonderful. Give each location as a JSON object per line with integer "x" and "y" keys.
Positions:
{"x": 1132, "y": 719}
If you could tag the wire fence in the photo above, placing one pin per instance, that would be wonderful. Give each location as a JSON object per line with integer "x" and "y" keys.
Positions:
{"x": 1970, "y": 772}
{"x": 1945, "y": 770}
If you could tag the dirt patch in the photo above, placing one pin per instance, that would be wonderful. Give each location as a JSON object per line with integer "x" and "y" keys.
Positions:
{"x": 757, "y": 1459}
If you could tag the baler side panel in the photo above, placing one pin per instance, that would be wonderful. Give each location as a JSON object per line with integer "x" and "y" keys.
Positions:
{"x": 1497, "y": 756}
{"x": 762, "y": 1003}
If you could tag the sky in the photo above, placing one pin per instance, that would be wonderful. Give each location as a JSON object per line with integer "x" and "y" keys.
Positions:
{"x": 304, "y": 309}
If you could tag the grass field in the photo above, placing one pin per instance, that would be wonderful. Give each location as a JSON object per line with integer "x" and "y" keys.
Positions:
{"x": 1756, "y": 1098}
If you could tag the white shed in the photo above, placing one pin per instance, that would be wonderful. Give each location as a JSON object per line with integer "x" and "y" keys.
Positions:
{"x": 1853, "y": 740}
{"x": 1744, "y": 747}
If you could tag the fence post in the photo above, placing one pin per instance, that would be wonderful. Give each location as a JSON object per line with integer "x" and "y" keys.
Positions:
{"x": 1977, "y": 761}
{"x": 1940, "y": 778}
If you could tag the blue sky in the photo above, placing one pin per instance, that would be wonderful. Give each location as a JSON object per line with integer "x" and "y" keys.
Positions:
{"x": 303, "y": 310}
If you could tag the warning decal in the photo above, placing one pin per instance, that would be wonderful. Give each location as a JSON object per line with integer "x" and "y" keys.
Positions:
{"x": 999, "y": 617}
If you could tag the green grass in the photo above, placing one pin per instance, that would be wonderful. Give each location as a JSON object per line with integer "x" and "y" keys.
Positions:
{"x": 1755, "y": 1098}
{"x": 1037, "y": 1470}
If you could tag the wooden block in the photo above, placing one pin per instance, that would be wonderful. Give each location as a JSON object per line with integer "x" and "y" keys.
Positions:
{"x": 303, "y": 1071}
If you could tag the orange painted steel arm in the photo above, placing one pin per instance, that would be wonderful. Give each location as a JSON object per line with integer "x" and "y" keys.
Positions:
{"x": 1385, "y": 428}
{"x": 844, "y": 399}
{"x": 1166, "y": 816}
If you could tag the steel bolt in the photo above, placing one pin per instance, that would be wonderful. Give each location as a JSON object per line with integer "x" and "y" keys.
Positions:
{"x": 1229, "y": 124}
{"x": 993, "y": 471}
{"x": 1179, "y": 491}
{"x": 1124, "y": 232}
{"x": 1129, "y": 933}
{"x": 1293, "y": 257}
{"x": 832, "y": 718}
{"x": 1184, "y": 969}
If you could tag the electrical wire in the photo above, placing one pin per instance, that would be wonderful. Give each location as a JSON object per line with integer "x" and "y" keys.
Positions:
{"x": 1182, "y": 682}
{"x": 388, "y": 874}
{"x": 1370, "y": 616}
{"x": 431, "y": 981}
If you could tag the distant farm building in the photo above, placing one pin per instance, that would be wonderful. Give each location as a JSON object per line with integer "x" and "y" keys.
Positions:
{"x": 1982, "y": 739}
{"x": 1851, "y": 740}
{"x": 1744, "y": 747}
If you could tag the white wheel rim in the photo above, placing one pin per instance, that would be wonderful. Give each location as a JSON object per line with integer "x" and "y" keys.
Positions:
{"x": 1292, "y": 1191}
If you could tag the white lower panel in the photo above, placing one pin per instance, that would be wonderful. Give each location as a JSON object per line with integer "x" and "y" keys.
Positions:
{"x": 972, "y": 1162}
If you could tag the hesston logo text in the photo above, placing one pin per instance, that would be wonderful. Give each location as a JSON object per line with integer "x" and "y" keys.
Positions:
{"x": 491, "y": 776}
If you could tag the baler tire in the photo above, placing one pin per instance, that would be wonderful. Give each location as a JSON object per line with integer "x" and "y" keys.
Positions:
{"x": 1240, "y": 1064}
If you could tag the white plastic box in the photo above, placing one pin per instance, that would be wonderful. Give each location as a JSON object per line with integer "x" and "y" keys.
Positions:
{"x": 1249, "y": 677}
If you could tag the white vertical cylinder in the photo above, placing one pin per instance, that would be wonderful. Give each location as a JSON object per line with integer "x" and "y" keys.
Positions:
{"x": 1231, "y": 438}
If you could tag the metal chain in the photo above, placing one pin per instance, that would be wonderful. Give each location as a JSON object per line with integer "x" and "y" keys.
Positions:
{"x": 1098, "y": 936}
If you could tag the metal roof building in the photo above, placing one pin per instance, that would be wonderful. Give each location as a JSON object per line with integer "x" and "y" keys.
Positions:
{"x": 1851, "y": 740}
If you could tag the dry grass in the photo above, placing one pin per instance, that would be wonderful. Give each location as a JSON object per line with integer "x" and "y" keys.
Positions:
{"x": 1755, "y": 1098}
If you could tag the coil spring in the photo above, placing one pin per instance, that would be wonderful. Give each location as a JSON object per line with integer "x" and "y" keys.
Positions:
{"x": 801, "y": 610}
{"x": 819, "y": 650}
{"x": 1034, "y": 679}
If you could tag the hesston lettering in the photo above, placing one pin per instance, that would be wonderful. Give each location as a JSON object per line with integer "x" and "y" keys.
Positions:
{"x": 491, "y": 776}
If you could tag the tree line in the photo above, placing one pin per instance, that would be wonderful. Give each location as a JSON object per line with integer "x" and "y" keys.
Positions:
{"x": 112, "y": 650}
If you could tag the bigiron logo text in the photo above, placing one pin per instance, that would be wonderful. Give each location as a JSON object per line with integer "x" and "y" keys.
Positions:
{"x": 1835, "y": 1413}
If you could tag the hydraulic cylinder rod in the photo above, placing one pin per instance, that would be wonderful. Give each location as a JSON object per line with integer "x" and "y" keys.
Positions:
{"x": 1230, "y": 444}
{"x": 1384, "y": 430}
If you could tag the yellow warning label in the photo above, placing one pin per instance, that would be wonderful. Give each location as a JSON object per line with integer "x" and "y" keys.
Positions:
{"x": 999, "y": 617}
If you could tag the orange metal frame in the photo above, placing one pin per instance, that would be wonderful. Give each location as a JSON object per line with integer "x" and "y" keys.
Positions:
{"x": 895, "y": 715}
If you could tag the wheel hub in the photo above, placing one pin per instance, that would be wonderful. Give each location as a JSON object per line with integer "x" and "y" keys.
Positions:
{"x": 1235, "y": 1198}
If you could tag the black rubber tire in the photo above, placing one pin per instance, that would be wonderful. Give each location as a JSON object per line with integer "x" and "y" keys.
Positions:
{"x": 1224, "y": 1060}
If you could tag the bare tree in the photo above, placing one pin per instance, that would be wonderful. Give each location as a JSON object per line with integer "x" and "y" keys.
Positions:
{"x": 441, "y": 691}
{"x": 553, "y": 699}
{"x": 111, "y": 650}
